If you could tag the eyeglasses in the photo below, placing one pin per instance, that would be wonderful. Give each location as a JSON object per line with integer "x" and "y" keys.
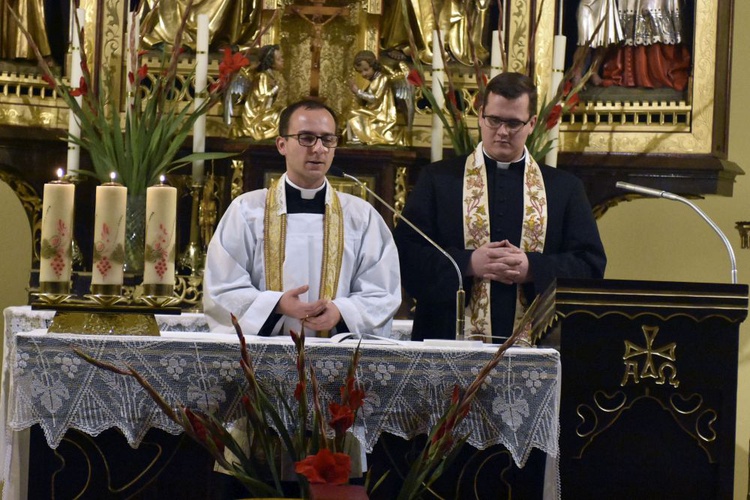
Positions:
{"x": 511, "y": 125}
{"x": 309, "y": 140}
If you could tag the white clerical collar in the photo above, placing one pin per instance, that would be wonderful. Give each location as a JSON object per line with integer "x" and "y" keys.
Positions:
{"x": 505, "y": 165}
{"x": 306, "y": 194}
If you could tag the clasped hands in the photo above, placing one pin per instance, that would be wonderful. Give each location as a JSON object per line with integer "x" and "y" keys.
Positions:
{"x": 319, "y": 315}
{"x": 500, "y": 261}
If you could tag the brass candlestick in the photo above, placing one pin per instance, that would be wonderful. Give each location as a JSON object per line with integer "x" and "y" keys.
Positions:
{"x": 193, "y": 257}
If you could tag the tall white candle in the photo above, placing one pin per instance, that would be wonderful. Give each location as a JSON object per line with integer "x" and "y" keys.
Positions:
{"x": 201, "y": 81}
{"x": 109, "y": 234}
{"x": 438, "y": 83}
{"x": 161, "y": 223}
{"x": 131, "y": 52}
{"x": 74, "y": 126}
{"x": 558, "y": 68}
{"x": 58, "y": 208}
{"x": 496, "y": 57}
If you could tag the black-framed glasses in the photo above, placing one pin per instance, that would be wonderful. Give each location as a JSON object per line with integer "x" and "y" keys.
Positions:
{"x": 309, "y": 140}
{"x": 511, "y": 125}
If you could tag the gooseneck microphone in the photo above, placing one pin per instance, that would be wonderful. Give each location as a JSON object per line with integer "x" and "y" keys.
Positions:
{"x": 646, "y": 191}
{"x": 460, "y": 295}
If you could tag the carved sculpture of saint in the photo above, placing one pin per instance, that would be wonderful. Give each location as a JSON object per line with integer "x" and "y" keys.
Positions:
{"x": 230, "y": 22}
{"x": 266, "y": 98}
{"x": 462, "y": 23}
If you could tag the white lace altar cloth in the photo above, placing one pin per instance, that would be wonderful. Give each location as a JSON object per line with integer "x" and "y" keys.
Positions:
{"x": 408, "y": 384}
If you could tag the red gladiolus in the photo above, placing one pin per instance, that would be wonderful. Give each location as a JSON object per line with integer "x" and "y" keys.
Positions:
{"x": 567, "y": 87}
{"x": 342, "y": 417}
{"x": 81, "y": 90}
{"x": 143, "y": 71}
{"x": 554, "y": 116}
{"x": 299, "y": 390}
{"x": 573, "y": 101}
{"x": 131, "y": 77}
{"x": 232, "y": 63}
{"x": 415, "y": 78}
{"x": 452, "y": 99}
{"x": 325, "y": 467}
{"x": 200, "y": 430}
{"x": 50, "y": 80}
{"x": 355, "y": 396}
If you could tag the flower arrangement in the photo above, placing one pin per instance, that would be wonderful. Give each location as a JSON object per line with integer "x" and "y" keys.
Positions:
{"x": 453, "y": 116}
{"x": 155, "y": 126}
{"x": 317, "y": 451}
{"x": 316, "y": 444}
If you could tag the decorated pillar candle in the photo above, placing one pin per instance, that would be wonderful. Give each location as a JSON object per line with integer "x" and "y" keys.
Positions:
{"x": 76, "y": 72}
{"x": 438, "y": 83}
{"x": 201, "y": 80}
{"x": 496, "y": 56}
{"x": 161, "y": 223}
{"x": 58, "y": 208}
{"x": 109, "y": 239}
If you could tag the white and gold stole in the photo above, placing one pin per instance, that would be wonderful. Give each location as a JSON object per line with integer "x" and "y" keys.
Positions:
{"x": 274, "y": 232}
{"x": 476, "y": 219}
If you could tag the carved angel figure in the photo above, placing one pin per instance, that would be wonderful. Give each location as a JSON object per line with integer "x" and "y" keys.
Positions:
{"x": 375, "y": 116}
{"x": 262, "y": 95}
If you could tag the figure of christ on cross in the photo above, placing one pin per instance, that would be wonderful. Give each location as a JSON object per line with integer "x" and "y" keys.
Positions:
{"x": 318, "y": 15}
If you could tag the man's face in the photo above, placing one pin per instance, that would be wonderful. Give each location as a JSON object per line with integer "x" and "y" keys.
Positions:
{"x": 501, "y": 142}
{"x": 307, "y": 166}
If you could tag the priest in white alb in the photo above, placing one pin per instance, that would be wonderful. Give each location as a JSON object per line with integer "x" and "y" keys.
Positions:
{"x": 300, "y": 251}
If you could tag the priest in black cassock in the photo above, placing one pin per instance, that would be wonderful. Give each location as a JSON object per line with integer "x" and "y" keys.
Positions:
{"x": 512, "y": 225}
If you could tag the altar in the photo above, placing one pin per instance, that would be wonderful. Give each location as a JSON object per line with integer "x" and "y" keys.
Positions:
{"x": 408, "y": 384}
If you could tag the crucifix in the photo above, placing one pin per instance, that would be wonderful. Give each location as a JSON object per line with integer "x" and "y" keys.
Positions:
{"x": 318, "y": 15}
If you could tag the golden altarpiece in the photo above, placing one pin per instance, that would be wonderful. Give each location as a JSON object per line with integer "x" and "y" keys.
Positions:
{"x": 677, "y": 142}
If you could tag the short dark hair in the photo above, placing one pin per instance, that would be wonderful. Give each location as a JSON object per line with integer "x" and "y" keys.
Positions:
{"x": 267, "y": 56}
{"x": 369, "y": 57}
{"x": 512, "y": 86}
{"x": 286, "y": 115}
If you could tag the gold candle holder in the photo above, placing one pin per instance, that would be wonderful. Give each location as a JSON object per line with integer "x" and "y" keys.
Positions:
{"x": 155, "y": 295}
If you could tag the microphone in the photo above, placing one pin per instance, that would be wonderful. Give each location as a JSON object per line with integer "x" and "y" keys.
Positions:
{"x": 460, "y": 294}
{"x": 646, "y": 191}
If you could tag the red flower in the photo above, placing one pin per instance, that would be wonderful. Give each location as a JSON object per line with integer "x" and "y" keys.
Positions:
{"x": 342, "y": 417}
{"x": 143, "y": 71}
{"x": 81, "y": 90}
{"x": 415, "y": 78}
{"x": 573, "y": 101}
{"x": 325, "y": 467}
{"x": 554, "y": 116}
{"x": 200, "y": 430}
{"x": 131, "y": 77}
{"x": 452, "y": 99}
{"x": 355, "y": 396}
{"x": 299, "y": 390}
{"x": 50, "y": 80}
{"x": 232, "y": 62}
{"x": 566, "y": 88}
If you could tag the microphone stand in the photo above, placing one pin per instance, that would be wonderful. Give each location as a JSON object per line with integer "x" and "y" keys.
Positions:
{"x": 646, "y": 191}
{"x": 460, "y": 294}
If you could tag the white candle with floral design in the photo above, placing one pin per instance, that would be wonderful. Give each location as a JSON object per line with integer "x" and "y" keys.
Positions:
{"x": 58, "y": 208}
{"x": 109, "y": 234}
{"x": 161, "y": 222}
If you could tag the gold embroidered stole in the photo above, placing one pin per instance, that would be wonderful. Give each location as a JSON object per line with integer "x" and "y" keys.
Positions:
{"x": 274, "y": 232}
{"x": 476, "y": 220}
